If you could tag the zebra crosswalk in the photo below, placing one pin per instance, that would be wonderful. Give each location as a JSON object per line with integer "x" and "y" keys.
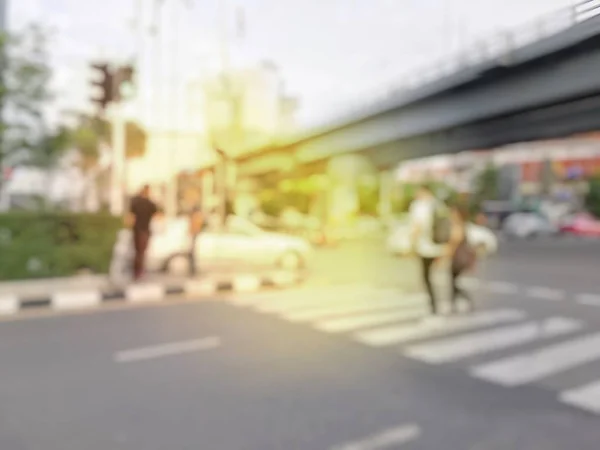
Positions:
{"x": 386, "y": 318}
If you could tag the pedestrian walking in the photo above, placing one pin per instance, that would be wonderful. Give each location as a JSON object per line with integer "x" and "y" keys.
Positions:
{"x": 430, "y": 235}
{"x": 462, "y": 257}
{"x": 141, "y": 212}
{"x": 196, "y": 225}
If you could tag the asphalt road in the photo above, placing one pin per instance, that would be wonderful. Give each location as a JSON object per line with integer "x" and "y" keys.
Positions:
{"x": 304, "y": 369}
{"x": 570, "y": 265}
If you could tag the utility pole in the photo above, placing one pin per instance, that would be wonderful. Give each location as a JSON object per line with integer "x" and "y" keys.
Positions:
{"x": 225, "y": 165}
{"x": 171, "y": 201}
{"x": 118, "y": 144}
{"x": 120, "y": 80}
{"x": 112, "y": 91}
{"x": 171, "y": 186}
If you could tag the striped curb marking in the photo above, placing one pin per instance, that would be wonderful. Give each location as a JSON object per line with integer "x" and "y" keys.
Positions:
{"x": 150, "y": 292}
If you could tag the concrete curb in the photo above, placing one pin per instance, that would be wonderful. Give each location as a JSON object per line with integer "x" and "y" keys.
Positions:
{"x": 146, "y": 292}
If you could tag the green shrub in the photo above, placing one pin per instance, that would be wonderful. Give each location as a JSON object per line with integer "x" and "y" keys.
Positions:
{"x": 36, "y": 245}
{"x": 592, "y": 199}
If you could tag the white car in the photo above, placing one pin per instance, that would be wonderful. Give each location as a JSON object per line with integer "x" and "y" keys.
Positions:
{"x": 481, "y": 238}
{"x": 240, "y": 244}
{"x": 528, "y": 225}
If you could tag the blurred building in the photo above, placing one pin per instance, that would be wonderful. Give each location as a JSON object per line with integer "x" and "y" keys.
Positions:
{"x": 532, "y": 168}
{"x": 248, "y": 108}
{"x": 244, "y": 110}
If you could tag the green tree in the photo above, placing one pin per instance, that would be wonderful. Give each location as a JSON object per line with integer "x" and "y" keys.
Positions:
{"x": 368, "y": 196}
{"x": 87, "y": 142}
{"x": 135, "y": 140}
{"x": 50, "y": 149}
{"x": 402, "y": 197}
{"x": 24, "y": 93}
{"x": 47, "y": 153}
{"x": 487, "y": 184}
{"x": 592, "y": 199}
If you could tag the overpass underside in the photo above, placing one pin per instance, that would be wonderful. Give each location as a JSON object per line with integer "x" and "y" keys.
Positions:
{"x": 547, "y": 90}
{"x": 543, "y": 123}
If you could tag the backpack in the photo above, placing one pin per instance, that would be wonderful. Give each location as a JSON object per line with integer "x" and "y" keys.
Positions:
{"x": 464, "y": 257}
{"x": 442, "y": 224}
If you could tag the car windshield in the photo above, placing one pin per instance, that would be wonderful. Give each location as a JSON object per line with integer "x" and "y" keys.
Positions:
{"x": 239, "y": 225}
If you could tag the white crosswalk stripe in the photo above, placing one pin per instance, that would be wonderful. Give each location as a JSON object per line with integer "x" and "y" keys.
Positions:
{"x": 500, "y": 287}
{"x": 344, "y": 309}
{"x": 346, "y": 324}
{"x": 543, "y": 293}
{"x": 301, "y": 295}
{"x": 386, "y": 317}
{"x": 585, "y": 397}
{"x": 448, "y": 350}
{"x": 533, "y": 366}
{"x": 320, "y": 300}
{"x": 381, "y": 337}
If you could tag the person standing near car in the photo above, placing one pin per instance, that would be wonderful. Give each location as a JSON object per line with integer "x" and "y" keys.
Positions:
{"x": 462, "y": 256}
{"x": 196, "y": 226}
{"x": 430, "y": 234}
{"x": 139, "y": 218}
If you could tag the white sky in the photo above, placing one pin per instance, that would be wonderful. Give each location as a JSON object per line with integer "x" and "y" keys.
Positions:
{"x": 329, "y": 51}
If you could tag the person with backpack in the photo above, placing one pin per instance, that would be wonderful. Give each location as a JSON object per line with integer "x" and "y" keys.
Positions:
{"x": 462, "y": 256}
{"x": 431, "y": 229}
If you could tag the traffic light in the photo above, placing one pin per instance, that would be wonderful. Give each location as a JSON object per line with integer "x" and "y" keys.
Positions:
{"x": 113, "y": 84}
{"x": 123, "y": 80}
{"x": 106, "y": 85}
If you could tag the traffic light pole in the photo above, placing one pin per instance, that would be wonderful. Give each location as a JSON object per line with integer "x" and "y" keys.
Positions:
{"x": 117, "y": 203}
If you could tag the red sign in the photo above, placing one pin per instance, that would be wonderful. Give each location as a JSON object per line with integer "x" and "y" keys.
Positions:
{"x": 7, "y": 173}
{"x": 531, "y": 171}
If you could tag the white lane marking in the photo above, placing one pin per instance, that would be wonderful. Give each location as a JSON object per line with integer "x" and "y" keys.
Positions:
{"x": 586, "y": 397}
{"x": 76, "y": 300}
{"x": 453, "y": 349}
{"x": 9, "y": 304}
{"x": 143, "y": 293}
{"x": 172, "y": 349}
{"x": 528, "y": 367}
{"x": 323, "y": 299}
{"x": 382, "y": 337}
{"x": 354, "y": 323}
{"x": 588, "y": 299}
{"x": 364, "y": 306}
{"x": 392, "y": 438}
{"x": 544, "y": 293}
{"x": 501, "y": 287}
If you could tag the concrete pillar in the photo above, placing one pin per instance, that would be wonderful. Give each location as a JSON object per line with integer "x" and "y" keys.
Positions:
{"x": 386, "y": 187}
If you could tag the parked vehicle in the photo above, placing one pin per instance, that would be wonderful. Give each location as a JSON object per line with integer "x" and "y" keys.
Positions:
{"x": 240, "y": 243}
{"x": 527, "y": 225}
{"x": 582, "y": 224}
{"x": 482, "y": 238}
